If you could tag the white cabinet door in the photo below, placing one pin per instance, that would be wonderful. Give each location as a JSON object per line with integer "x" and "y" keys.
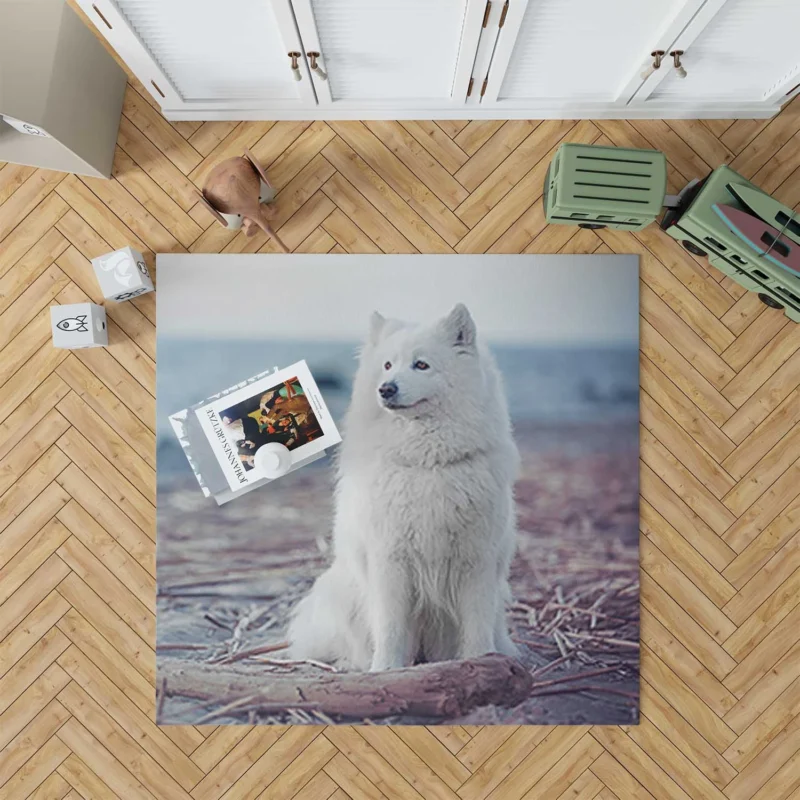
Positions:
{"x": 390, "y": 53}
{"x": 561, "y": 53}
{"x": 744, "y": 50}
{"x": 206, "y": 53}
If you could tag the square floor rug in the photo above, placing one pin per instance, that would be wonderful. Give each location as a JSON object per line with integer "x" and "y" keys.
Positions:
{"x": 398, "y": 489}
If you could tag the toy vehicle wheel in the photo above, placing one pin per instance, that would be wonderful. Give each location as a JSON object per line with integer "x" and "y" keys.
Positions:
{"x": 693, "y": 248}
{"x": 769, "y": 301}
{"x": 592, "y": 226}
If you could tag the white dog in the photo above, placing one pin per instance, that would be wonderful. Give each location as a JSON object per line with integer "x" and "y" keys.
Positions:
{"x": 425, "y": 524}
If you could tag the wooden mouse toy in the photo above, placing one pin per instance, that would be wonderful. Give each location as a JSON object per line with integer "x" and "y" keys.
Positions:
{"x": 234, "y": 193}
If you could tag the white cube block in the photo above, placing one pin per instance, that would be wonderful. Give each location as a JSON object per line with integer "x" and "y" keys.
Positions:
{"x": 78, "y": 325}
{"x": 122, "y": 274}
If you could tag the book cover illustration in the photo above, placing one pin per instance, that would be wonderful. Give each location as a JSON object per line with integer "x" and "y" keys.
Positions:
{"x": 222, "y": 434}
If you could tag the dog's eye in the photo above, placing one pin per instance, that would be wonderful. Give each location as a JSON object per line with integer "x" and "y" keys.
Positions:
{"x": 423, "y": 365}
{"x": 387, "y": 365}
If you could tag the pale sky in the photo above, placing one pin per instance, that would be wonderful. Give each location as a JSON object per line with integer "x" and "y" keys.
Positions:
{"x": 515, "y": 299}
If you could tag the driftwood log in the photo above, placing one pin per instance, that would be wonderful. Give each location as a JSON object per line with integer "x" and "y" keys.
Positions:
{"x": 444, "y": 689}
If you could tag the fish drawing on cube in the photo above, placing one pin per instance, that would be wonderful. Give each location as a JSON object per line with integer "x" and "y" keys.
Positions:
{"x": 78, "y": 325}
{"x": 122, "y": 275}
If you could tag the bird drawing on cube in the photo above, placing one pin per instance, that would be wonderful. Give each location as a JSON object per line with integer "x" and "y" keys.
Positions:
{"x": 122, "y": 275}
{"x": 78, "y": 325}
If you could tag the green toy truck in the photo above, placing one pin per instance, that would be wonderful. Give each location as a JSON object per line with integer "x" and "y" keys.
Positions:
{"x": 702, "y": 232}
{"x": 597, "y": 187}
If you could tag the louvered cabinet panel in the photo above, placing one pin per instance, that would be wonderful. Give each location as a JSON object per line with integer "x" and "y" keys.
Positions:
{"x": 579, "y": 50}
{"x": 418, "y": 59}
{"x": 746, "y": 51}
{"x": 212, "y": 50}
{"x": 384, "y": 51}
{"x": 206, "y": 52}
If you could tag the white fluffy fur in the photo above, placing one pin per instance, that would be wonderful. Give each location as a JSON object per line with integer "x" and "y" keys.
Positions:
{"x": 425, "y": 525}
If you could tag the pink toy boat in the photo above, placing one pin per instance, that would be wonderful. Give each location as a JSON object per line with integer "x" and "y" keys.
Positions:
{"x": 763, "y": 238}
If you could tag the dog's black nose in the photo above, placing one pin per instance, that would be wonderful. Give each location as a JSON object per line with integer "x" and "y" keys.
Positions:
{"x": 387, "y": 390}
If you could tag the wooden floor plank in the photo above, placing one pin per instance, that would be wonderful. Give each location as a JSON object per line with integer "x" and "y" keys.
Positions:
{"x": 766, "y": 511}
{"x": 36, "y": 296}
{"x": 689, "y": 743}
{"x": 120, "y": 743}
{"x": 159, "y": 131}
{"x": 347, "y": 777}
{"x": 688, "y": 704}
{"x": 416, "y": 212}
{"x": 154, "y": 199}
{"x": 475, "y": 133}
{"x": 764, "y": 694}
{"x": 685, "y": 412}
{"x": 38, "y": 768}
{"x": 437, "y": 143}
{"x": 106, "y": 585}
{"x": 152, "y": 741}
{"x": 36, "y": 551}
{"x": 26, "y": 198}
{"x": 37, "y": 622}
{"x": 209, "y": 135}
{"x": 236, "y": 762}
{"x": 683, "y": 374}
{"x": 31, "y": 738}
{"x": 91, "y": 606}
{"x": 30, "y": 267}
{"x": 502, "y": 763}
{"x": 31, "y": 230}
{"x": 426, "y": 168}
{"x": 41, "y": 656}
{"x": 84, "y": 782}
{"x": 490, "y": 155}
{"x": 686, "y": 484}
{"x": 516, "y": 199}
{"x": 102, "y": 769}
{"x": 298, "y": 154}
{"x": 690, "y": 633}
{"x": 675, "y": 583}
{"x": 378, "y": 771}
{"x": 95, "y": 647}
{"x": 684, "y": 447}
{"x": 683, "y": 555}
{"x": 34, "y": 708}
{"x": 153, "y": 161}
{"x": 12, "y": 176}
{"x": 110, "y": 480}
{"x": 503, "y": 179}
{"x": 108, "y": 515}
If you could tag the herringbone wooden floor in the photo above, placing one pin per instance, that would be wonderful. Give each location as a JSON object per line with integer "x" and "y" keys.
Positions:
{"x": 720, "y": 471}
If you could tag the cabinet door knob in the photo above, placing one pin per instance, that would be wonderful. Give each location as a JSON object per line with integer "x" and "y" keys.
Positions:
{"x": 315, "y": 68}
{"x": 296, "y": 74}
{"x": 676, "y": 60}
{"x": 657, "y": 56}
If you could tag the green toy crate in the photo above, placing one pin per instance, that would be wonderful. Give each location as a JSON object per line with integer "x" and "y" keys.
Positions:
{"x": 702, "y": 232}
{"x": 597, "y": 187}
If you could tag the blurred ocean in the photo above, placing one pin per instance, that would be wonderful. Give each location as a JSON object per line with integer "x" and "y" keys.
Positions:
{"x": 544, "y": 385}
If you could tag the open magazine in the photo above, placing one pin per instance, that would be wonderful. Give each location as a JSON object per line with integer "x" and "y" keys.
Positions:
{"x": 221, "y": 435}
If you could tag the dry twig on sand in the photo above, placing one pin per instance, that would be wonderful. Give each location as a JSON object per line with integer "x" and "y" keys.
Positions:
{"x": 252, "y": 651}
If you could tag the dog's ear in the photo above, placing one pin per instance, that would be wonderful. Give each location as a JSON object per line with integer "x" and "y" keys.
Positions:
{"x": 377, "y": 325}
{"x": 458, "y": 327}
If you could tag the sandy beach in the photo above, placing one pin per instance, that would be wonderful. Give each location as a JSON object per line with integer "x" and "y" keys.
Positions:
{"x": 574, "y": 580}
